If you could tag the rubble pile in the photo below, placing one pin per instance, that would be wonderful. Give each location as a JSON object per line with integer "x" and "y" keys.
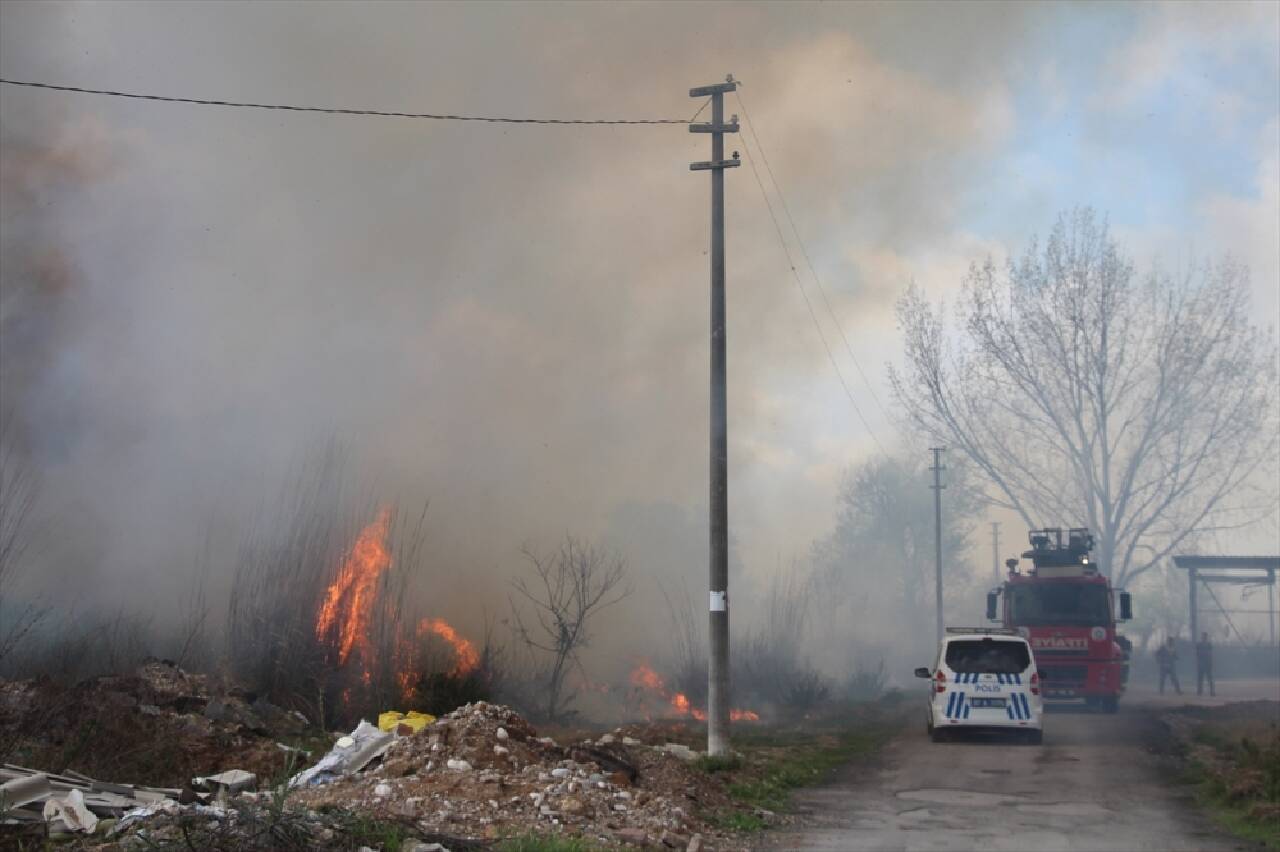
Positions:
{"x": 463, "y": 781}
{"x": 482, "y": 771}
{"x": 160, "y": 725}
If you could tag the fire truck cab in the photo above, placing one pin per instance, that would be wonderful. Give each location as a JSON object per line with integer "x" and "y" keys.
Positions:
{"x": 1066, "y": 609}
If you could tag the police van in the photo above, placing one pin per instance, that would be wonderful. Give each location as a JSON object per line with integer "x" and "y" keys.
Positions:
{"x": 986, "y": 679}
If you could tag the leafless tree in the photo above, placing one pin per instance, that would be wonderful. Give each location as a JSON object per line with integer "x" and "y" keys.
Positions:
{"x": 572, "y": 585}
{"x": 1140, "y": 406}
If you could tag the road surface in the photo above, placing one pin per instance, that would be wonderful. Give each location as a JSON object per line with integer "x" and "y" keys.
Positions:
{"x": 1093, "y": 785}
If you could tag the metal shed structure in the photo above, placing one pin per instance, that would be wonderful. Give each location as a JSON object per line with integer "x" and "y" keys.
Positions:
{"x": 1233, "y": 570}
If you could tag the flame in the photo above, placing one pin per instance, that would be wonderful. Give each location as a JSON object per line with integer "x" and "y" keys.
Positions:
{"x": 644, "y": 677}
{"x": 349, "y": 600}
{"x": 681, "y": 703}
{"x": 468, "y": 658}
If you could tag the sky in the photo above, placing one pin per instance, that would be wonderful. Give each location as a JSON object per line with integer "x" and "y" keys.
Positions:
{"x": 511, "y": 321}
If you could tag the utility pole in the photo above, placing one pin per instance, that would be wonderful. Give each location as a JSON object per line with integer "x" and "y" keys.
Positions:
{"x": 995, "y": 551}
{"x": 937, "y": 522}
{"x": 718, "y": 671}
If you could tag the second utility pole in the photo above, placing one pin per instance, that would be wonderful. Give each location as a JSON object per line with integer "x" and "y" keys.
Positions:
{"x": 937, "y": 520}
{"x": 718, "y": 624}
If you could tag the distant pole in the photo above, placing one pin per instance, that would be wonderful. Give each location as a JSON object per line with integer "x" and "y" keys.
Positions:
{"x": 937, "y": 529}
{"x": 995, "y": 551}
{"x": 1271, "y": 603}
{"x": 718, "y": 670}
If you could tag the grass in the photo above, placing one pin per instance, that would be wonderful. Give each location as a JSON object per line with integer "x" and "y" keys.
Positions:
{"x": 771, "y": 764}
{"x": 712, "y": 763}
{"x": 544, "y": 843}
{"x": 1234, "y": 765}
{"x": 805, "y": 761}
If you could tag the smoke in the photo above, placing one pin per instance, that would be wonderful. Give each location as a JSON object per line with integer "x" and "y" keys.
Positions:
{"x": 509, "y": 322}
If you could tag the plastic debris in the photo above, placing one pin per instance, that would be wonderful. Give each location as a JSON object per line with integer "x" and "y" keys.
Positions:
{"x": 71, "y": 812}
{"x": 393, "y": 721}
{"x": 349, "y": 754}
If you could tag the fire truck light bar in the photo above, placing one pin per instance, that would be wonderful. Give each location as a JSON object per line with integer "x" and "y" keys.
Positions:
{"x": 991, "y": 631}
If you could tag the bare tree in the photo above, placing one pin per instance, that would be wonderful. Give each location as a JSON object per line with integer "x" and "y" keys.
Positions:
{"x": 1141, "y": 407}
{"x": 573, "y": 584}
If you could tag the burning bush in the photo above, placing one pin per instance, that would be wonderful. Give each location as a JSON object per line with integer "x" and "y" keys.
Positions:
{"x": 317, "y": 617}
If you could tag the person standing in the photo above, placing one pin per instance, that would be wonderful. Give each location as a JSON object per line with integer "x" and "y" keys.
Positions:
{"x": 1167, "y": 659}
{"x": 1204, "y": 664}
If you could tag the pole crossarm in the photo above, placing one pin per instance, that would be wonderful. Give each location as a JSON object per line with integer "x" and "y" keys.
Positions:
{"x": 714, "y": 89}
{"x": 718, "y": 164}
{"x": 730, "y": 127}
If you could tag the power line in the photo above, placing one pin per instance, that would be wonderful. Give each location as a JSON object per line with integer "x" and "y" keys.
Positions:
{"x": 343, "y": 111}
{"x": 807, "y": 302}
{"x": 805, "y": 253}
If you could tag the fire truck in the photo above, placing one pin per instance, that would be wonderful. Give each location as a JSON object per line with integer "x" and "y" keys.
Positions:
{"x": 1066, "y": 608}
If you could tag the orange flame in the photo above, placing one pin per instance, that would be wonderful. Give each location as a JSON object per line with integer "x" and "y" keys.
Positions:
{"x": 468, "y": 658}
{"x": 646, "y": 678}
{"x": 350, "y": 598}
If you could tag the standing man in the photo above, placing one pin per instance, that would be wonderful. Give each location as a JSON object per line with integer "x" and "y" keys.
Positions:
{"x": 1167, "y": 659}
{"x": 1204, "y": 664}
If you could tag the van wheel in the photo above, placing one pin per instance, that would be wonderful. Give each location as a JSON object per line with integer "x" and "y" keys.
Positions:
{"x": 1035, "y": 737}
{"x": 937, "y": 734}
{"x": 1111, "y": 704}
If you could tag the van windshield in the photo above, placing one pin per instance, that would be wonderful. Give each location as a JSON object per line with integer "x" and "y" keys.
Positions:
{"x": 987, "y": 656}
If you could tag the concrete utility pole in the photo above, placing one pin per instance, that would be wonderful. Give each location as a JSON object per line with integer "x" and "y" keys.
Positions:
{"x": 995, "y": 551}
{"x": 718, "y": 671}
{"x": 937, "y": 522}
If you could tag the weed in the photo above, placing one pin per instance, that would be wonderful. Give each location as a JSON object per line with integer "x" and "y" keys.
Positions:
{"x": 718, "y": 762}
{"x": 544, "y": 843}
{"x": 804, "y": 764}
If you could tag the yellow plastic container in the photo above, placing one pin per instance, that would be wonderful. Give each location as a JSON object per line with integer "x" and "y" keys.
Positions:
{"x": 392, "y": 719}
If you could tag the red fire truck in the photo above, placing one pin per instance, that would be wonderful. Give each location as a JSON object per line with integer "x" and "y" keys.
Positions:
{"x": 1065, "y": 608}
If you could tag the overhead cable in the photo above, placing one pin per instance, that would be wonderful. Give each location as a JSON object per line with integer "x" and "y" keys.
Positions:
{"x": 345, "y": 111}
{"x": 807, "y": 302}
{"x": 805, "y": 253}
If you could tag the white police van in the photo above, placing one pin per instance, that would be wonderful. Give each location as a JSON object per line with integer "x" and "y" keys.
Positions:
{"x": 984, "y": 678}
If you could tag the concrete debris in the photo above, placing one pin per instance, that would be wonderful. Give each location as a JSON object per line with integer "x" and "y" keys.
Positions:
{"x": 604, "y": 790}
{"x": 70, "y": 802}
{"x": 232, "y": 781}
{"x": 681, "y": 751}
{"x": 476, "y": 774}
{"x": 19, "y": 791}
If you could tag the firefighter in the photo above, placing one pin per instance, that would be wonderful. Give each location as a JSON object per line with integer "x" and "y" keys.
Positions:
{"x": 1204, "y": 664}
{"x": 1167, "y": 659}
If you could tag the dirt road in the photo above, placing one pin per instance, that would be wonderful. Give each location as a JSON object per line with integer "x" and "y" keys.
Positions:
{"x": 1093, "y": 785}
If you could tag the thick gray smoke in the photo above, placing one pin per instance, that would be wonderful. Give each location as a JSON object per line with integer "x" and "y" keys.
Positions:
{"x": 508, "y": 321}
